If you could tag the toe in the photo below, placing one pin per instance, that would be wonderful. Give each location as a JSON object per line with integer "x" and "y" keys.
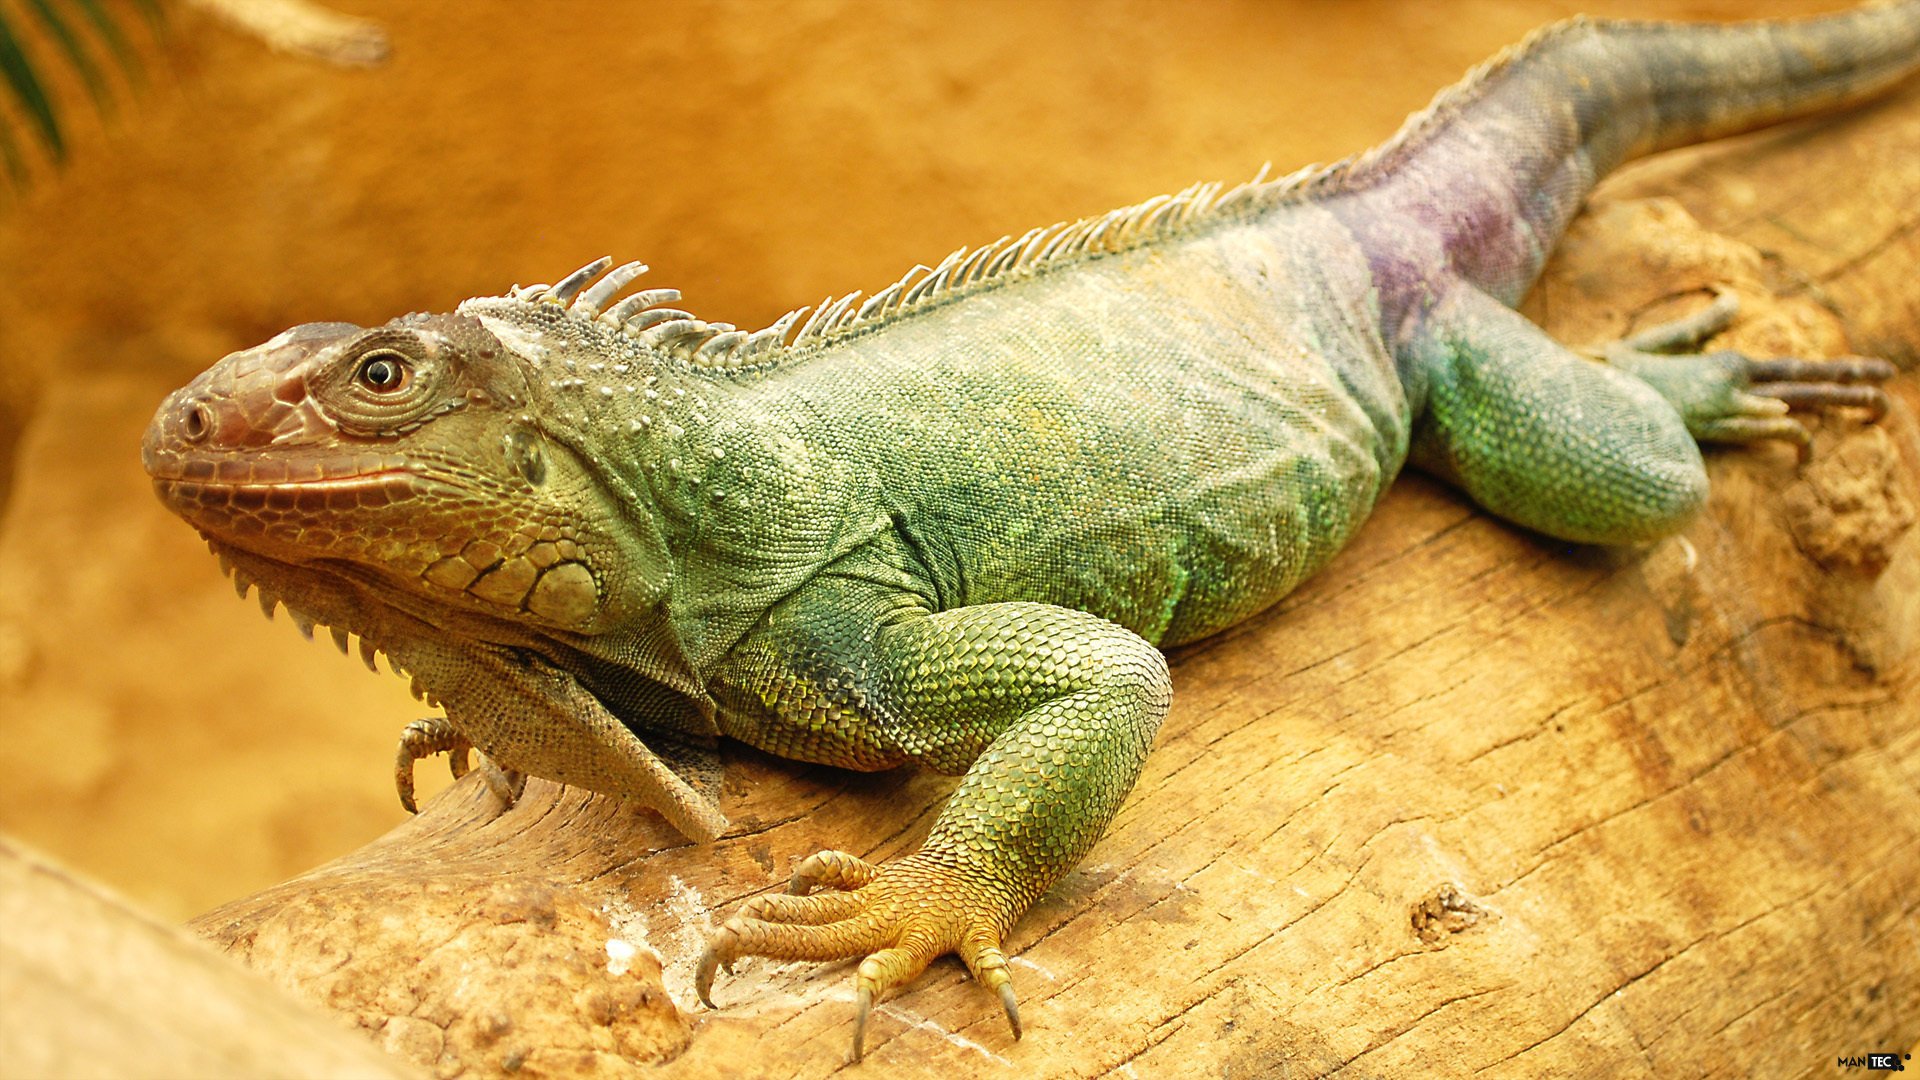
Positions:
{"x": 744, "y": 936}
{"x": 803, "y": 910}
{"x": 886, "y": 970}
{"x": 989, "y": 966}
{"x": 1825, "y": 395}
{"x": 425, "y": 738}
{"x": 1851, "y": 369}
{"x": 1688, "y": 330}
{"x": 831, "y": 869}
{"x": 506, "y": 784}
{"x": 779, "y": 941}
{"x": 1742, "y": 429}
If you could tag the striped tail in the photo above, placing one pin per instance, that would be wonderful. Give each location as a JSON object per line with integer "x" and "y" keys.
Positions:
{"x": 1501, "y": 161}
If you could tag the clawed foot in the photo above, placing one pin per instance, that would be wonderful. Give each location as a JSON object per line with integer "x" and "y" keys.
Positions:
{"x": 436, "y": 735}
{"x": 1730, "y": 397}
{"x": 903, "y": 915}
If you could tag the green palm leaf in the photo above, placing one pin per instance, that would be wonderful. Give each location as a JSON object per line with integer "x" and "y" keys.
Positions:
{"x": 27, "y": 89}
{"x": 78, "y": 33}
{"x": 77, "y": 55}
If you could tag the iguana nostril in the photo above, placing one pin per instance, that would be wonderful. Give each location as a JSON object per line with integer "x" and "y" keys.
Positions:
{"x": 198, "y": 423}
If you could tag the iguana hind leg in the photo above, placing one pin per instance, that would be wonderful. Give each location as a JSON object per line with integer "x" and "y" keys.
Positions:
{"x": 1601, "y": 453}
{"x": 1544, "y": 437}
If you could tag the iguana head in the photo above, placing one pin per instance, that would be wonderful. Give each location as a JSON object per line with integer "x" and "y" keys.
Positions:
{"x": 435, "y": 486}
{"x": 408, "y": 465}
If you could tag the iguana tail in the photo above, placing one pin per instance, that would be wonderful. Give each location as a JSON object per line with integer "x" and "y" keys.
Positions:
{"x": 1501, "y": 161}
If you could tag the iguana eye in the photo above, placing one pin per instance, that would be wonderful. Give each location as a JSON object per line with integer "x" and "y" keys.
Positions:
{"x": 383, "y": 372}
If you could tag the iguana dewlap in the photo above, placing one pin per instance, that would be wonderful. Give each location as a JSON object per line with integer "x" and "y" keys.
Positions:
{"x": 950, "y": 525}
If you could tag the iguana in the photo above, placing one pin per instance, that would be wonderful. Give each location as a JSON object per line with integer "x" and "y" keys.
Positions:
{"x": 952, "y": 524}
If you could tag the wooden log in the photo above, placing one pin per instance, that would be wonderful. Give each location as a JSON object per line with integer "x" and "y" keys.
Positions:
{"x": 1470, "y": 801}
{"x": 89, "y": 987}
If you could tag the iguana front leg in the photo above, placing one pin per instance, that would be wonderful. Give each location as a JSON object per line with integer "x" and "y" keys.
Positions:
{"x": 1049, "y": 711}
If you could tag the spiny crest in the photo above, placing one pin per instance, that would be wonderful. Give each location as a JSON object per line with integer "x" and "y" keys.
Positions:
{"x": 645, "y": 317}
{"x": 270, "y": 602}
{"x": 642, "y": 316}
{"x": 722, "y": 346}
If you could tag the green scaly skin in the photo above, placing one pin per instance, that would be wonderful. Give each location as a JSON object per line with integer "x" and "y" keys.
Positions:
{"x": 952, "y": 528}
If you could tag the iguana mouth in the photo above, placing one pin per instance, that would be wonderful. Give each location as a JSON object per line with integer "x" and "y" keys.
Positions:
{"x": 381, "y": 488}
{"x": 264, "y": 470}
{"x": 292, "y": 516}
{"x": 205, "y": 473}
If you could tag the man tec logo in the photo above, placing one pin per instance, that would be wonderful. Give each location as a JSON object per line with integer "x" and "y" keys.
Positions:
{"x": 1877, "y": 1062}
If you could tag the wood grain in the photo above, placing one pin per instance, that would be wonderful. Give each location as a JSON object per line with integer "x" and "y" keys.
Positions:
{"x": 91, "y": 988}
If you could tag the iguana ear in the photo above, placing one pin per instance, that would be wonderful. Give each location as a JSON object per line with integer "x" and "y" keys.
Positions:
{"x": 528, "y": 715}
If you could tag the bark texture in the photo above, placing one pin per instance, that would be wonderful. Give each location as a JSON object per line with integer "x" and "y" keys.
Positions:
{"x": 91, "y": 988}
{"x": 1470, "y": 801}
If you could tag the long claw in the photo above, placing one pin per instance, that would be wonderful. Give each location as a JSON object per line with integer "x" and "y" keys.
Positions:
{"x": 1012, "y": 1007}
{"x": 703, "y": 975}
{"x": 403, "y": 782}
{"x": 424, "y": 738}
{"x": 863, "y": 1005}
